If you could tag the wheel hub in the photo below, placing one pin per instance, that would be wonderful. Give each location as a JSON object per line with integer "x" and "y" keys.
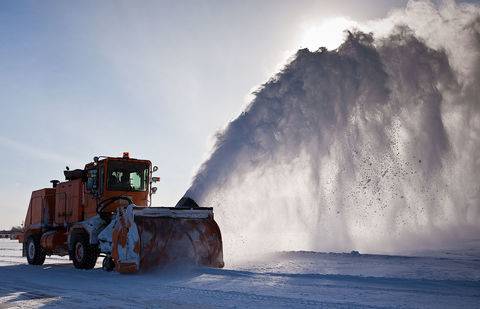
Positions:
{"x": 79, "y": 251}
{"x": 31, "y": 250}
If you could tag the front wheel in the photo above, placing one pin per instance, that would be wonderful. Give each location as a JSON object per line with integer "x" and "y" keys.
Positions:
{"x": 35, "y": 253}
{"x": 108, "y": 263}
{"x": 84, "y": 254}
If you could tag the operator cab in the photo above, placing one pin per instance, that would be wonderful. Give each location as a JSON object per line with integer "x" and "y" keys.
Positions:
{"x": 111, "y": 182}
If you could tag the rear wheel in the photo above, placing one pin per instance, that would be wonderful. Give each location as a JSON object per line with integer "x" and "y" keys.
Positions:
{"x": 84, "y": 254}
{"x": 35, "y": 253}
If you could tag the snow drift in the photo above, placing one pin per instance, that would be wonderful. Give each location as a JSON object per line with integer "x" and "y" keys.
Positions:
{"x": 373, "y": 146}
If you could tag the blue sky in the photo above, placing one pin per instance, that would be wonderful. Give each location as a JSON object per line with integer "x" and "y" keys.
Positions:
{"x": 155, "y": 78}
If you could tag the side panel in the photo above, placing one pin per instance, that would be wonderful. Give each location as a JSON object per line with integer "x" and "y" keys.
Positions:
{"x": 68, "y": 201}
{"x": 60, "y": 207}
{"x": 37, "y": 209}
{"x": 40, "y": 209}
{"x": 39, "y": 214}
{"x": 74, "y": 202}
{"x": 28, "y": 217}
{"x": 49, "y": 207}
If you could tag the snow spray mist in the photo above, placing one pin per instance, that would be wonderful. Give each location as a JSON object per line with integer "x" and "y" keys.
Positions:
{"x": 374, "y": 146}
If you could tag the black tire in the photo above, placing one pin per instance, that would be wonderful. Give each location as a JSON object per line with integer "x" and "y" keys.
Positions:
{"x": 108, "y": 264}
{"x": 83, "y": 254}
{"x": 35, "y": 253}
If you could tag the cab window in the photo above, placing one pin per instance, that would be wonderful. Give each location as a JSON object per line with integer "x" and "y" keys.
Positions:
{"x": 92, "y": 180}
{"x": 127, "y": 176}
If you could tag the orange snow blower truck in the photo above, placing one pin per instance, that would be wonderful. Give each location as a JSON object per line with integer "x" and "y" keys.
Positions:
{"x": 103, "y": 210}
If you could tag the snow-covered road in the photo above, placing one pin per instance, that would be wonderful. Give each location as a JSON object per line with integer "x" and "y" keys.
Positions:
{"x": 281, "y": 280}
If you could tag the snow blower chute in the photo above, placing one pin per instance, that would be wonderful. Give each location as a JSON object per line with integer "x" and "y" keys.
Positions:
{"x": 103, "y": 210}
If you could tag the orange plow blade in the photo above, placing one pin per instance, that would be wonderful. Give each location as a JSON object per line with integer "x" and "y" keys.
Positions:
{"x": 144, "y": 238}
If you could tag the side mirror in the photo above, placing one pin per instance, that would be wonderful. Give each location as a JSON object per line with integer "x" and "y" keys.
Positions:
{"x": 153, "y": 190}
{"x": 155, "y": 168}
{"x": 95, "y": 159}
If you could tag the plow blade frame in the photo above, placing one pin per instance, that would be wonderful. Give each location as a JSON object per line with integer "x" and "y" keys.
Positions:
{"x": 144, "y": 238}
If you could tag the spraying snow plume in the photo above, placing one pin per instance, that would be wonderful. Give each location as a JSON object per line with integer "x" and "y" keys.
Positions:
{"x": 373, "y": 146}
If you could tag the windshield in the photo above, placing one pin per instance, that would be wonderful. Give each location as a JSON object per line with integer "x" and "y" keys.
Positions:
{"x": 127, "y": 176}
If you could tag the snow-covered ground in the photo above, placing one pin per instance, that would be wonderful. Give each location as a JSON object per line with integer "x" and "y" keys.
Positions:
{"x": 447, "y": 279}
